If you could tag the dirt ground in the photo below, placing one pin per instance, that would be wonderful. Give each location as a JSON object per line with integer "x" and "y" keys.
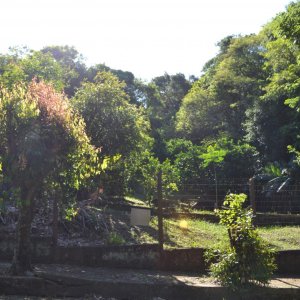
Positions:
{"x": 140, "y": 276}
{"x": 135, "y": 281}
{"x": 149, "y": 276}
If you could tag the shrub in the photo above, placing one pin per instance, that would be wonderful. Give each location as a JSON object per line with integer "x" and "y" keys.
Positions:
{"x": 115, "y": 239}
{"x": 248, "y": 259}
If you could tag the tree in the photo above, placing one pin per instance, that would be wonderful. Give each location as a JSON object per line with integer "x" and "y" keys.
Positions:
{"x": 17, "y": 66}
{"x": 231, "y": 82}
{"x": 72, "y": 64}
{"x": 131, "y": 86}
{"x": 185, "y": 157}
{"x": 214, "y": 155}
{"x": 112, "y": 122}
{"x": 115, "y": 125}
{"x": 198, "y": 116}
{"x": 273, "y": 121}
{"x": 169, "y": 91}
{"x": 152, "y": 103}
{"x": 43, "y": 67}
{"x": 10, "y": 69}
{"x": 41, "y": 138}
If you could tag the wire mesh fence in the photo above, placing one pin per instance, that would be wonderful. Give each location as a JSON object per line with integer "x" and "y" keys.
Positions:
{"x": 284, "y": 199}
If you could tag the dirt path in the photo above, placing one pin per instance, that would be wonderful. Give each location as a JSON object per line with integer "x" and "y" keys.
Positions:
{"x": 141, "y": 276}
{"x": 113, "y": 282}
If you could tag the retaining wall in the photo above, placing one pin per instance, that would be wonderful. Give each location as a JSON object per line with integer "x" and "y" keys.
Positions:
{"x": 266, "y": 219}
{"x": 145, "y": 256}
{"x": 135, "y": 256}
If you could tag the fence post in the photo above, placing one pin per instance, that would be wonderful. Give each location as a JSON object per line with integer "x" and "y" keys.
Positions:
{"x": 160, "y": 211}
{"x": 252, "y": 194}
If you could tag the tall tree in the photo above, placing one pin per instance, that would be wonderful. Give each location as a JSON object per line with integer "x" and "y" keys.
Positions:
{"x": 73, "y": 67}
{"x": 230, "y": 84}
{"x": 24, "y": 66}
{"x": 131, "y": 86}
{"x": 171, "y": 90}
{"x": 273, "y": 122}
{"x": 112, "y": 122}
{"x": 40, "y": 134}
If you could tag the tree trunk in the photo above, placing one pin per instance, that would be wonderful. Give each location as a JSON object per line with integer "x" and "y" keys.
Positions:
{"x": 21, "y": 263}
{"x": 55, "y": 221}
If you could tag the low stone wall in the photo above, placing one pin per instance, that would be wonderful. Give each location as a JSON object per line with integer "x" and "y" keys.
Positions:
{"x": 41, "y": 249}
{"x": 265, "y": 219}
{"x": 191, "y": 259}
{"x": 131, "y": 256}
{"x": 288, "y": 262}
{"x": 135, "y": 256}
{"x": 7, "y": 245}
{"x": 145, "y": 256}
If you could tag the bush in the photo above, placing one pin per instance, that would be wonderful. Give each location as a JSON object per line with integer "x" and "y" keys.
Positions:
{"x": 248, "y": 259}
{"x": 115, "y": 239}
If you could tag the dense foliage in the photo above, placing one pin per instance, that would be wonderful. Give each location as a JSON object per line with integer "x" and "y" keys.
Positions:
{"x": 245, "y": 104}
{"x": 250, "y": 91}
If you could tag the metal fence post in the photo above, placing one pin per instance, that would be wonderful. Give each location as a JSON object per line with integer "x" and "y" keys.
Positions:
{"x": 160, "y": 211}
{"x": 252, "y": 194}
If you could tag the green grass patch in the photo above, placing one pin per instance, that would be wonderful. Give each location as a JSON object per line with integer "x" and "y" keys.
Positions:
{"x": 198, "y": 233}
{"x": 194, "y": 234}
{"x": 281, "y": 237}
{"x": 136, "y": 201}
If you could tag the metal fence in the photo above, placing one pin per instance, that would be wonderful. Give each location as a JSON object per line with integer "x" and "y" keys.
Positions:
{"x": 284, "y": 200}
{"x": 262, "y": 197}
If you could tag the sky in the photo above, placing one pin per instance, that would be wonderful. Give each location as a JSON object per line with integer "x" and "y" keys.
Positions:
{"x": 145, "y": 37}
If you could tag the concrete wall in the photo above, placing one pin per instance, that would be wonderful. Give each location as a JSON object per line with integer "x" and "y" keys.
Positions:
{"x": 132, "y": 256}
{"x": 288, "y": 262}
{"x": 41, "y": 249}
{"x": 191, "y": 259}
{"x": 135, "y": 256}
{"x": 276, "y": 219}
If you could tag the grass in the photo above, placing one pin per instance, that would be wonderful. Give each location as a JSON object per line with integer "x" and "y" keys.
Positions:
{"x": 199, "y": 233}
{"x": 204, "y": 234}
{"x": 135, "y": 201}
{"x": 282, "y": 237}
